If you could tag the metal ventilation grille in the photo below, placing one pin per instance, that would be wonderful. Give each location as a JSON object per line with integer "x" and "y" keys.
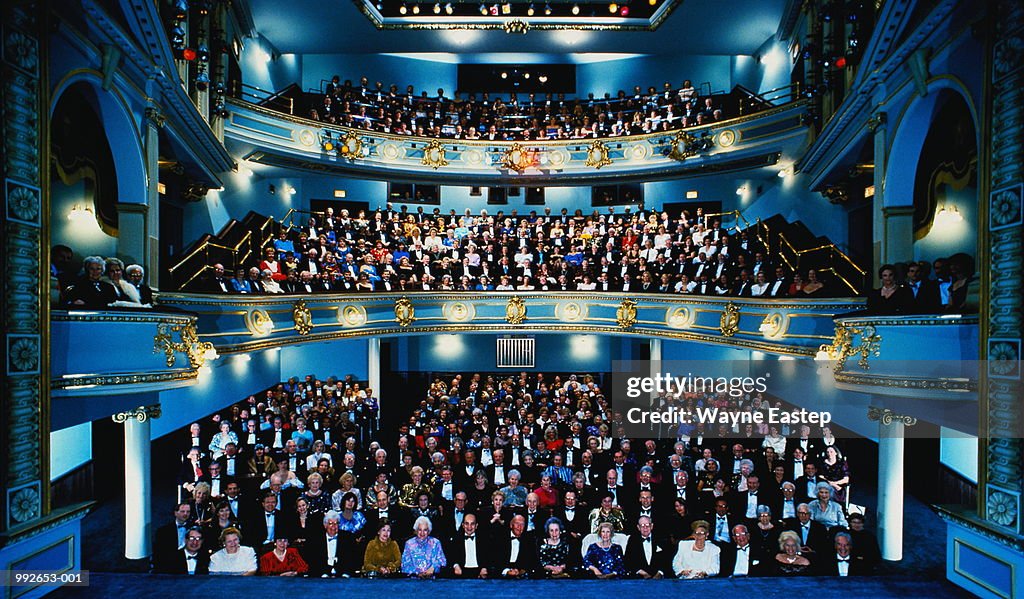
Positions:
{"x": 516, "y": 352}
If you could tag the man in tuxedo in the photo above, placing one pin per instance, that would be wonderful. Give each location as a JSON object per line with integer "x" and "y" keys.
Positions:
{"x": 296, "y": 460}
{"x": 780, "y": 285}
{"x": 590, "y": 470}
{"x": 575, "y": 519}
{"x": 645, "y": 557}
{"x": 231, "y": 465}
{"x": 842, "y": 562}
{"x": 924, "y": 291}
{"x": 722, "y": 523}
{"x": 216, "y": 479}
{"x": 263, "y": 524}
{"x": 191, "y": 559}
{"x": 535, "y": 515}
{"x": 321, "y": 551}
{"x": 382, "y": 510}
{"x": 740, "y": 558}
{"x": 746, "y": 503}
{"x": 645, "y": 506}
{"x": 217, "y": 283}
{"x": 682, "y": 489}
{"x": 785, "y": 505}
{"x": 275, "y": 437}
{"x": 170, "y": 538}
{"x": 514, "y": 555}
{"x": 813, "y": 535}
{"x": 466, "y": 549}
{"x": 240, "y": 506}
{"x": 450, "y": 523}
{"x": 806, "y": 485}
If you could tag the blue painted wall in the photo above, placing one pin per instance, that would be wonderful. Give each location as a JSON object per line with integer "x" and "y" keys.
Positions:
{"x": 336, "y": 358}
{"x": 73, "y": 448}
{"x": 422, "y": 74}
{"x": 264, "y": 68}
{"x": 85, "y": 236}
{"x": 611, "y": 76}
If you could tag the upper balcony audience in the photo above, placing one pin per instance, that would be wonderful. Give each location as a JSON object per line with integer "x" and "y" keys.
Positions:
{"x": 513, "y": 118}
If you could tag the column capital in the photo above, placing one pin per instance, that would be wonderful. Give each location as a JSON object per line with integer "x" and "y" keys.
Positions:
{"x": 887, "y": 416}
{"x": 140, "y": 414}
{"x": 154, "y": 116}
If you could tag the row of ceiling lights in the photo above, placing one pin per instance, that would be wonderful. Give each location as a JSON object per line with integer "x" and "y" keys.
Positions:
{"x": 506, "y": 8}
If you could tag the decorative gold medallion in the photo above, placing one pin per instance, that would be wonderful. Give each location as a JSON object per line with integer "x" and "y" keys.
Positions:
{"x": 684, "y": 146}
{"x": 730, "y": 322}
{"x": 303, "y": 318}
{"x": 517, "y": 158}
{"x": 458, "y": 311}
{"x": 259, "y": 323}
{"x": 433, "y": 155}
{"x": 515, "y": 310}
{"x": 351, "y": 146}
{"x": 726, "y": 138}
{"x": 597, "y": 155}
{"x": 352, "y": 315}
{"x": 198, "y": 352}
{"x": 625, "y": 315}
{"x": 405, "y": 314}
{"x": 679, "y": 317}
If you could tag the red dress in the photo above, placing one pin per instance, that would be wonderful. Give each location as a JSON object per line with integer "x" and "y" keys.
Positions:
{"x": 292, "y": 562}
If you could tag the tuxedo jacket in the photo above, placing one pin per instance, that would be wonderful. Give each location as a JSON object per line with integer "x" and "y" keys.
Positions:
{"x": 579, "y": 525}
{"x": 636, "y": 557}
{"x": 758, "y": 563}
{"x": 817, "y": 537}
{"x": 165, "y": 545}
{"x": 256, "y": 527}
{"x": 455, "y": 550}
{"x": 828, "y": 565}
{"x": 499, "y": 553}
{"x": 176, "y": 564}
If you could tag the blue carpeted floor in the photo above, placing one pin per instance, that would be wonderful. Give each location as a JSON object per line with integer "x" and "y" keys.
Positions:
{"x": 135, "y": 585}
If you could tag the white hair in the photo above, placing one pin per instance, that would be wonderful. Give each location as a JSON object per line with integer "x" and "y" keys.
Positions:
{"x": 420, "y": 522}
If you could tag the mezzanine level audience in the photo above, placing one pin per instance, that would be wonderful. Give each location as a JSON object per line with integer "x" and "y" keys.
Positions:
{"x": 532, "y": 117}
{"x": 401, "y": 251}
{"x": 509, "y": 477}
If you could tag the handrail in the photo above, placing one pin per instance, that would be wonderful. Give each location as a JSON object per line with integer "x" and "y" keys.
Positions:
{"x": 833, "y": 252}
{"x": 241, "y": 91}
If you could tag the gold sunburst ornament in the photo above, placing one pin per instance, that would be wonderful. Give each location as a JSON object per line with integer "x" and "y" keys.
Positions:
{"x": 625, "y": 315}
{"x": 516, "y": 158}
{"x": 302, "y": 317}
{"x": 597, "y": 155}
{"x": 684, "y": 145}
{"x": 351, "y": 146}
{"x": 433, "y": 155}
{"x": 405, "y": 313}
{"x": 515, "y": 310}
{"x": 730, "y": 321}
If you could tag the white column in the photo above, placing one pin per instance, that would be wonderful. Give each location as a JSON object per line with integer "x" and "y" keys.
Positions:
{"x": 373, "y": 365}
{"x": 137, "y": 514}
{"x": 890, "y": 489}
{"x": 655, "y": 350}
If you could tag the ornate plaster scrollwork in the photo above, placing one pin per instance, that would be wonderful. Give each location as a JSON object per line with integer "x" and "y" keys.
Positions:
{"x": 405, "y": 313}
{"x": 625, "y": 315}
{"x": 515, "y": 310}
{"x": 140, "y": 414}
{"x": 729, "y": 324}
{"x": 887, "y": 416}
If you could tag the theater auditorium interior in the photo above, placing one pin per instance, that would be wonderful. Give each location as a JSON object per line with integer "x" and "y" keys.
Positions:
{"x": 609, "y": 297}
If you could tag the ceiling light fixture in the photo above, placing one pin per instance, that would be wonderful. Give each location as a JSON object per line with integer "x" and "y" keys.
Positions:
{"x": 547, "y": 9}
{"x": 575, "y": 9}
{"x": 483, "y": 10}
{"x": 530, "y": 10}
{"x": 543, "y": 78}
{"x": 403, "y": 9}
{"x": 504, "y": 75}
{"x": 506, "y": 9}
{"x": 448, "y": 9}
{"x": 415, "y": 9}
{"x": 526, "y": 75}
{"x": 613, "y": 7}
{"x": 437, "y": 8}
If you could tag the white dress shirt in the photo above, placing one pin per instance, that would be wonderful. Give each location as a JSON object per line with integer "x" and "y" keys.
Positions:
{"x": 742, "y": 567}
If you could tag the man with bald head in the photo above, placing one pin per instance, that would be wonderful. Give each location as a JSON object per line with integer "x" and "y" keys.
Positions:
{"x": 514, "y": 553}
{"x": 465, "y": 551}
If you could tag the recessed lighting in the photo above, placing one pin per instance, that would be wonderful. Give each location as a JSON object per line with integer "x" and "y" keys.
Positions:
{"x": 575, "y": 9}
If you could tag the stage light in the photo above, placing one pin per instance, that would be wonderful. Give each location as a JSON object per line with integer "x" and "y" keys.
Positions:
{"x": 506, "y": 9}
{"x": 504, "y": 75}
{"x": 402, "y": 9}
{"x": 483, "y": 10}
{"x": 415, "y": 9}
{"x": 624, "y": 11}
{"x": 437, "y": 9}
{"x": 575, "y": 9}
{"x": 448, "y": 8}
{"x": 526, "y": 75}
{"x": 494, "y": 10}
{"x": 188, "y": 54}
{"x": 543, "y": 78}
{"x": 613, "y": 7}
{"x": 530, "y": 10}
{"x": 652, "y": 2}
{"x": 547, "y": 9}
{"x": 740, "y": 190}
{"x": 841, "y": 62}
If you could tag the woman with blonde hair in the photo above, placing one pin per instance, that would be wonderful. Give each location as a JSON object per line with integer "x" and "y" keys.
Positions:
{"x": 696, "y": 557}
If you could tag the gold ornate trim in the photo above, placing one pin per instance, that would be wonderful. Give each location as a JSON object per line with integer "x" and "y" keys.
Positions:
{"x": 625, "y": 315}
{"x": 887, "y": 416}
{"x": 67, "y": 382}
{"x": 729, "y": 324}
{"x": 302, "y": 317}
{"x": 515, "y": 310}
{"x": 405, "y": 313}
{"x": 198, "y": 352}
{"x": 351, "y": 146}
{"x": 908, "y": 382}
{"x": 433, "y": 155}
{"x": 516, "y": 158}
{"x": 105, "y": 316}
{"x": 352, "y": 315}
{"x": 139, "y": 414}
{"x": 597, "y": 155}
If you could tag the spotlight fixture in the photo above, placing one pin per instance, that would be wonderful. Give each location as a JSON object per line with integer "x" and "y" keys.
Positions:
{"x": 530, "y": 10}
{"x": 624, "y": 11}
{"x": 437, "y": 8}
{"x": 380, "y": 6}
{"x": 526, "y": 75}
{"x": 613, "y": 7}
{"x": 483, "y": 10}
{"x": 575, "y": 9}
{"x": 547, "y": 9}
{"x": 415, "y": 9}
{"x": 543, "y": 78}
{"x": 494, "y": 10}
{"x": 403, "y": 9}
{"x": 506, "y": 9}
{"x": 448, "y": 9}
{"x": 652, "y": 2}
{"x": 504, "y": 75}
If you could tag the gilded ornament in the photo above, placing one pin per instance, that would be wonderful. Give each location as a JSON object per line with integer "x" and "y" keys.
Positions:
{"x": 515, "y": 310}
{"x": 625, "y": 315}
{"x": 516, "y": 158}
{"x": 729, "y": 324}
{"x": 684, "y": 146}
{"x": 303, "y": 318}
{"x": 887, "y": 416}
{"x": 597, "y": 155}
{"x": 352, "y": 315}
{"x": 433, "y": 155}
{"x": 198, "y": 352}
{"x": 726, "y": 138}
{"x": 405, "y": 313}
{"x": 351, "y": 146}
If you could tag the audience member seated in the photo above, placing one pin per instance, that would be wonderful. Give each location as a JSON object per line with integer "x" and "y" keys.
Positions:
{"x": 234, "y": 558}
{"x": 282, "y": 560}
{"x": 697, "y": 557}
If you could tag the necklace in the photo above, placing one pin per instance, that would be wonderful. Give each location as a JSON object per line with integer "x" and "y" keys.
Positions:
{"x": 791, "y": 559}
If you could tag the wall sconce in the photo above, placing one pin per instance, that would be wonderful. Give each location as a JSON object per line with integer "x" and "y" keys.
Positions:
{"x": 948, "y": 215}
{"x": 81, "y": 214}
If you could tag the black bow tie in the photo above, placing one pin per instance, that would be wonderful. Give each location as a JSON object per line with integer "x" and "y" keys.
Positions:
{"x": 744, "y": 548}
{"x": 334, "y": 538}
{"x": 721, "y": 518}
{"x": 647, "y": 540}
{"x": 470, "y": 537}
{"x": 190, "y": 558}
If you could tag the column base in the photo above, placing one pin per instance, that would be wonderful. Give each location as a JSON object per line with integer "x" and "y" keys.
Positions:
{"x": 980, "y": 557}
